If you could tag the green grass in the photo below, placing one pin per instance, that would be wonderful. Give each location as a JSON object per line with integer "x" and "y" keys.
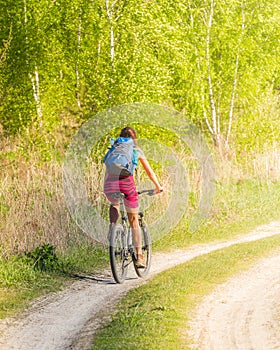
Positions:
{"x": 237, "y": 208}
{"x": 155, "y": 315}
{"x": 21, "y": 281}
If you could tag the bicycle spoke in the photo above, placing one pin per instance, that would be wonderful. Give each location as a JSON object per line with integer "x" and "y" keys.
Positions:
{"x": 118, "y": 254}
{"x": 146, "y": 251}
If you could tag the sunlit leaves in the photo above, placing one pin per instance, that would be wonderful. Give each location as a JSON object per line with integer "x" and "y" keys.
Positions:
{"x": 159, "y": 55}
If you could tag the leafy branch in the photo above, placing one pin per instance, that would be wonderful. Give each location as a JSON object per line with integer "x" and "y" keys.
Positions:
{"x": 6, "y": 46}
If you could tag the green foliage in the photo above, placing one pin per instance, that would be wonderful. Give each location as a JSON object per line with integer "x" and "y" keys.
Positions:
{"x": 44, "y": 258}
{"x": 84, "y": 258}
{"x": 15, "y": 272}
{"x": 80, "y": 258}
{"x": 237, "y": 206}
{"x": 73, "y": 57}
{"x": 23, "y": 278}
{"x": 20, "y": 283}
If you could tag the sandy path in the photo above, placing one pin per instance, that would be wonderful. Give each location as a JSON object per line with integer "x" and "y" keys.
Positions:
{"x": 68, "y": 319}
{"x": 242, "y": 313}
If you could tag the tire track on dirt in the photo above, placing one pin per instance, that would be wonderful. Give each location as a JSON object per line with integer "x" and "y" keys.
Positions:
{"x": 243, "y": 313}
{"x": 69, "y": 319}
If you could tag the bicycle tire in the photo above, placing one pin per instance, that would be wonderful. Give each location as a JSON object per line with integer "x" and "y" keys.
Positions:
{"x": 146, "y": 250}
{"x": 119, "y": 257}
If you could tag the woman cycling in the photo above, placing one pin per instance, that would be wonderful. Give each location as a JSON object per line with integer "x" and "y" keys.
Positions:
{"x": 126, "y": 185}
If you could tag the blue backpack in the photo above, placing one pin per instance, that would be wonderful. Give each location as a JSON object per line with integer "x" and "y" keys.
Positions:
{"x": 122, "y": 157}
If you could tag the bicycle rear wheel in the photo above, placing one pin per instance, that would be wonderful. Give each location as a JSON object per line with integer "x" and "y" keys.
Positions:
{"x": 119, "y": 257}
{"x": 146, "y": 250}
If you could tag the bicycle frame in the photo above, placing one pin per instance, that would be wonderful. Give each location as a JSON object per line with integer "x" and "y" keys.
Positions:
{"x": 127, "y": 234}
{"x": 124, "y": 217}
{"x": 121, "y": 243}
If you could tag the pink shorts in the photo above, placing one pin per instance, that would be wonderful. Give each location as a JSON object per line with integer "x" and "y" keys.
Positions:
{"x": 125, "y": 185}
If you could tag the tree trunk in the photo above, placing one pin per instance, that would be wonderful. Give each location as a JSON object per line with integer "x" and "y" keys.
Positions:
{"x": 34, "y": 77}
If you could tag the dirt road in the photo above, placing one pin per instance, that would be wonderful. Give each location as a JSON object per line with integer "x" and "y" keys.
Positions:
{"x": 68, "y": 319}
{"x": 242, "y": 313}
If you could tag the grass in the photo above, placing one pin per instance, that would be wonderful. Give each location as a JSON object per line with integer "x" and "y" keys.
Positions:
{"x": 33, "y": 213}
{"x": 22, "y": 279}
{"x": 235, "y": 211}
{"x": 237, "y": 208}
{"x": 156, "y": 315}
{"x": 20, "y": 284}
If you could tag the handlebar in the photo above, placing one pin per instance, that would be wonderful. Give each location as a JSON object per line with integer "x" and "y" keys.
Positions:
{"x": 119, "y": 195}
{"x": 150, "y": 192}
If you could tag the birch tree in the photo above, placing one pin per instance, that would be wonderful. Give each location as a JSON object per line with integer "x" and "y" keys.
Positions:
{"x": 34, "y": 75}
{"x": 212, "y": 60}
{"x": 218, "y": 118}
{"x": 3, "y": 52}
{"x": 239, "y": 60}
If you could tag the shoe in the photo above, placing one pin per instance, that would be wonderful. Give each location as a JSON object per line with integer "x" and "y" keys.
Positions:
{"x": 140, "y": 262}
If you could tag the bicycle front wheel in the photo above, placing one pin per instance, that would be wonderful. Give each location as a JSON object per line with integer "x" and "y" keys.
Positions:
{"x": 119, "y": 257}
{"x": 146, "y": 250}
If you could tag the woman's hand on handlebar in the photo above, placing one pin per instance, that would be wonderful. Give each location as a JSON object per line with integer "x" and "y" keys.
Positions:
{"x": 158, "y": 190}
{"x": 151, "y": 192}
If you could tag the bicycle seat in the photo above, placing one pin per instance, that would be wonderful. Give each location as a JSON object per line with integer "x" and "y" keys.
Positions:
{"x": 117, "y": 195}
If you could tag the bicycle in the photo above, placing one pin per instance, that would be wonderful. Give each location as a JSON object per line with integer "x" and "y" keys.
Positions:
{"x": 122, "y": 252}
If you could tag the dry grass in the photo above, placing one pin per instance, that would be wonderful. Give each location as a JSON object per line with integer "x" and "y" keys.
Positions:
{"x": 33, "y": 210}
{"x": 32, "y": 207}
{"x": 263, "y": 166}
{"x": 267, "y": 164}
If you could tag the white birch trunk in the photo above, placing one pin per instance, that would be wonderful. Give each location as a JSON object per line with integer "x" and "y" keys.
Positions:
{"x": 78, "y": 97}
{"x": 214, "y": 127}
{"x": 34, "y": 78}
{"x": 231, "y": 107}
{"x": 235, "y": 80}
{"x": 6, "y": 46}
{"x": 110, "y": 15}
{"x": 36, "y": 94}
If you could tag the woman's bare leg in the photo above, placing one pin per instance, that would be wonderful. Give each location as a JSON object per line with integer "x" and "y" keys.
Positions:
{"x": 114, "y": 213}
{"x": 136, "y": 235}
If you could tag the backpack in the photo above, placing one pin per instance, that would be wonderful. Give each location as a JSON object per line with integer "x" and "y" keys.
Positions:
{"x": 122, "y": 157}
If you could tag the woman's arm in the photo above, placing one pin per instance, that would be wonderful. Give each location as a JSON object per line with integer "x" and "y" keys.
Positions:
{"x": 151, "y": 174}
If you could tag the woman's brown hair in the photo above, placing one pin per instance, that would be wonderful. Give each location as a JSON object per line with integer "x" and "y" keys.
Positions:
{"x": 129, "y": 132}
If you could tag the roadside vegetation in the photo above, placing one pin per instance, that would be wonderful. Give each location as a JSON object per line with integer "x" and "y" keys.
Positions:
{"x": 48, "y": 263}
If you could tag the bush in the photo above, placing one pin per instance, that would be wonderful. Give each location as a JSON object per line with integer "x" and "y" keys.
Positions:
{"x": 44, "y": 258}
